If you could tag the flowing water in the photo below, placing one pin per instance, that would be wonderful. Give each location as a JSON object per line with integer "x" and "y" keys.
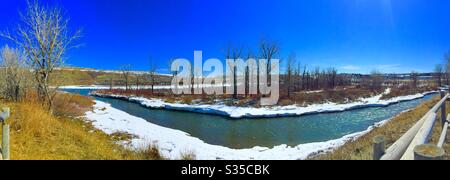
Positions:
{"x": 248, "y": 133}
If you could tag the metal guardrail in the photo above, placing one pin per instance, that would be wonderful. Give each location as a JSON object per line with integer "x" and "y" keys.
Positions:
{"x": 413, "y": 145}
{"x": 4, "y": 115}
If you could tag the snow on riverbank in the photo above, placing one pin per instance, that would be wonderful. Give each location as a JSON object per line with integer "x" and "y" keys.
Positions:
{"x": 266, "y": 112}
{"x": 98, "y": 87}
{"x": 141, "y": 87}
{"x": 172, "y": 143}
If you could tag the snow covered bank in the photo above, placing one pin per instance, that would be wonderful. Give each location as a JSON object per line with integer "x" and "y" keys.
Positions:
{"x": 142, "y": 87}
{"x": 173, "y": 143}
{"x": 265, "y": 112}
{"x": 99, "y": 87}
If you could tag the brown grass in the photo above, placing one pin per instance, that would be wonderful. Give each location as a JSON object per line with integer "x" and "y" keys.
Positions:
{"x": 122, "y": 136}
{"x": 68, "y": 77}
{"x": 151, "y": 152}
{"x": 72, "y": 105}
{"x": 361, "y": 149}
{"x": 338, "y": 95}
{"x": 188, "y": 156}
{"x": 38, "y": 135}
{"x": 85, "y": 77}
{"x": 406, "y": 90}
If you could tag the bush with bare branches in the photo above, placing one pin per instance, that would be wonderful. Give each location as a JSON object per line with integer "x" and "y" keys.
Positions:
{"x": 13, "y": 74}
{"x": 44, "y": 36}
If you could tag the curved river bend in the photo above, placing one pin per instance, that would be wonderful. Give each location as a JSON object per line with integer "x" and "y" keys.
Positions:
{"x": 248, "y": 133}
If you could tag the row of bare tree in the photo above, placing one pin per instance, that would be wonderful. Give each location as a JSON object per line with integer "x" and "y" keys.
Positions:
{"x": 127, "y": 75}
{"x": 268, "y": 50}
{"x": 296, "y": 78}
{"x": 300, "y": 78}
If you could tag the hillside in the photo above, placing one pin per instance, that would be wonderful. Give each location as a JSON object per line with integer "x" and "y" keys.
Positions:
{"x": 80, "y": 76}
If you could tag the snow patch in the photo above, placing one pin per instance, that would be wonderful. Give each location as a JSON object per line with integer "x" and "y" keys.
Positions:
{"x": 265, "y": 112}
{"x": 141, "y": 87}
{"x": 173, "y": 143}
{"x": 100, "y": 87}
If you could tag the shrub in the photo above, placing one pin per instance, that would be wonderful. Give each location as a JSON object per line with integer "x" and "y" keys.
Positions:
{"x": 71, "y": 105}
{"x": 188, "y": 156}
{"x": 151, "y": 153}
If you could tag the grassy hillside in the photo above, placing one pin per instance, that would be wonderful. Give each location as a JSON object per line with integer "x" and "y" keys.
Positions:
{"x": 361, "y": 149}
{"x": 63, "y": 77}
{"x": 38, "y": 135}
{"x": 90, "y": 77}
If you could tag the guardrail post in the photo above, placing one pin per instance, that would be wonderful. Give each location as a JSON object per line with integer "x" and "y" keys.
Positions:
{"x": 4, "y": 115}
{"x": 428, "y": 152}
{"x": 443, "y": 109}
{"x": 379, "y": 147}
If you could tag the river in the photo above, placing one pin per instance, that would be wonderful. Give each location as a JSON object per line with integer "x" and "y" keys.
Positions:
{"x": 265, "y": 132}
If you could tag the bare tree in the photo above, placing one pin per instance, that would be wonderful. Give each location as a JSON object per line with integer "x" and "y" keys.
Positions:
{"x": 305, "y": 82}
{"x": 438, "y": 71}
{"x": 248, "y": 72}
{"x": 269, "y": 50}
{"x": 299, "y": 76}
{"x": 126, "y": 74}
{"x": 331, "y": 78}
{"x": 414, "y": 80}
{"x": 376, "y": 80}
{"x": 153, "y": 68}
{"x": 447, "y": 67}
{"x": 234, "y": 53}
{"x": 316, "y": 78}
{"x": 137, "y": 82}
{"x": 44, "y": 36}
{"x": 111, "y": 83}
{"x": 290, "y": 72}
{"x": 13, "y": 74}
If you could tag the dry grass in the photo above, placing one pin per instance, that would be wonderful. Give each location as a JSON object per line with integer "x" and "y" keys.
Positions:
{"x": 83, "y": 77}
{"x": 338, "y": 95}
{"x": 38, "y": 135}
{"x": 68, "y": 77}
{"x": 71, "y": 105}
{"x": 361, "y": 149}
{"x": 406, "y": 90}
{"x": 189, "y": 156}
{"x": 122, "y": 136}
{"x": 151, "y": 152}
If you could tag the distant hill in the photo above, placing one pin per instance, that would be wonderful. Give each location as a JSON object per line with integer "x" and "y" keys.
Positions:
{"x": 86, "y": 76}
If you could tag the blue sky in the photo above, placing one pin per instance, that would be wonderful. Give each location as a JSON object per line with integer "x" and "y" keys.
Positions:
{"x": 351, "y": 35}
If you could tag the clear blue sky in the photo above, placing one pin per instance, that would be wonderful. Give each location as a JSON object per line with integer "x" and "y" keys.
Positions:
{"x": 351, "y": 35}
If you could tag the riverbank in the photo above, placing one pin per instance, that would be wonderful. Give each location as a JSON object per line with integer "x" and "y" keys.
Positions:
{"x": 100, "y": 87}
{"x": 174, "y": 143}
{"x": 220, "y": 108}
{"x": 361, "y": 149}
